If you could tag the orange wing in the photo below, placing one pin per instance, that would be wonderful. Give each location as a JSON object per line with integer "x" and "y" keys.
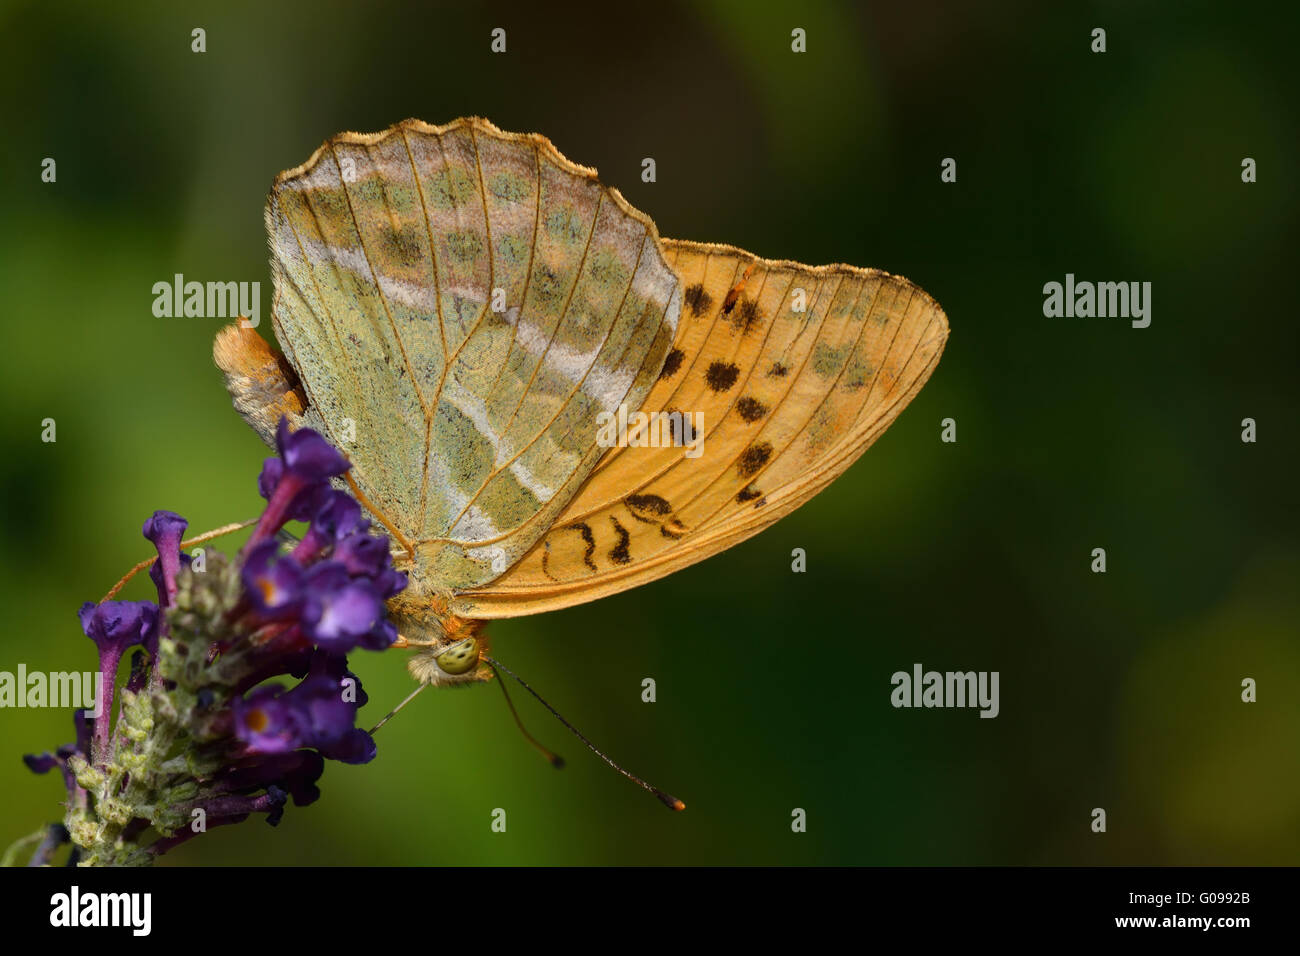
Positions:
{"x": 795, "y": 372}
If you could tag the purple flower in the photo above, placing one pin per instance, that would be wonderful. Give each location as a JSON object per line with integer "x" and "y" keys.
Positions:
{"x": 327, "y": 716}
{"x": 307, "y": 455}
{"x": 265, "y": 721}
{"x": 272, "y": 804}
{"x": 356, "y": 746}
{"x": 367, "y": 556}
{"x": 340, "y": 612}
{"x": 159, "y": 581}
{"x": 295, "y": 487}
{"x": 165, "y": 529}
{"x": 226, "y": 809}
{"x": 45, "y": 762}
{"x": 389, "y": 583}
{"x": 363, "y": 554}
{"x": 335, "y": 666}
{"x": 339, "y": 515}
{"x": 41, "y": 763}
{"x": 299, "y": 613}
{"x": 269, "y": 479}
{"x": 116, "y": 625}
{"x": 335, "y": 516}
{"x": 295, "y": 772}
{"x": 273, "y": 580}
{"x": 319, "y": 713}
{"x": 301, "y": 506}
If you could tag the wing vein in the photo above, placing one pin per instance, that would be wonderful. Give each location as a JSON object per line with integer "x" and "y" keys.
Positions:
{"x": 545, "y": 426}
{"x": 564, "y": 312}
{"x": 528, "y": 276}
{"x": 379, "y": 289}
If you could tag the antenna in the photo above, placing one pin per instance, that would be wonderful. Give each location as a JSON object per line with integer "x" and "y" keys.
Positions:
{"x": 555, "y": 759}
{"x": 667, "y": 799}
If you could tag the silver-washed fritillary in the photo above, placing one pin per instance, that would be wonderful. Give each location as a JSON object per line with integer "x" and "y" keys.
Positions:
{"x": 460, "y": 308}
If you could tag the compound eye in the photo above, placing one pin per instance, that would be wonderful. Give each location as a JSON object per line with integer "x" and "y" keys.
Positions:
{"x": 460, "y": 658}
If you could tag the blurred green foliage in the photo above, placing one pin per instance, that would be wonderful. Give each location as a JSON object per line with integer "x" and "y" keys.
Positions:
{"x": 1118, "y": 690}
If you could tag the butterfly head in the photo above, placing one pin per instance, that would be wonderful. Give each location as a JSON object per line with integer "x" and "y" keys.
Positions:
{"x": 450, "y": 664}
{"x": 460, "y": 658}
{"x": 449, "y": 650}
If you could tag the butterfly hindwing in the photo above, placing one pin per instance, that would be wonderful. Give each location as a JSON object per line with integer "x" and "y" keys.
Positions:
{"x": 795, "y": 372}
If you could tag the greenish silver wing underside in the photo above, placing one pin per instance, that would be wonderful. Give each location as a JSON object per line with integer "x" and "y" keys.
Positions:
{"x": 460, "y": 305}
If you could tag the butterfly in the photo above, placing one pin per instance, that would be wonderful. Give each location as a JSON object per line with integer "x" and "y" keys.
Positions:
{"x": 462, "y": 309}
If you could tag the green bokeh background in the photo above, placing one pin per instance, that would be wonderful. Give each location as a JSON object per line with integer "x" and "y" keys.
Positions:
{"x": 1118, "y": 690}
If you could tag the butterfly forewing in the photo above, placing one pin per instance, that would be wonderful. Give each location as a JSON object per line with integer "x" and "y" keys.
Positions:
{"x": 466, "y": 303}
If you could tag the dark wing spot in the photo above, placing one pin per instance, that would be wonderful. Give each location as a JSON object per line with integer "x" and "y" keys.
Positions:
{"x": 778, "y": 370}
{"x": 402, "y": 244}
{"x": 857, "y": 374}
{"x": 698, "y": 300}
{"x": 754, "y": 458}
{"x": 722, "y": 375}
{"x": 620, "y": 554}
{"x": 751, "y": 409}
{"x": 748, "y": 493}
{"x": 589, "y": 540}
{"x": 546, "y": 284}
{"x": 648, "y": 507}
{"x": 672, "y": 363}
{"x": 746, "y": 316}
